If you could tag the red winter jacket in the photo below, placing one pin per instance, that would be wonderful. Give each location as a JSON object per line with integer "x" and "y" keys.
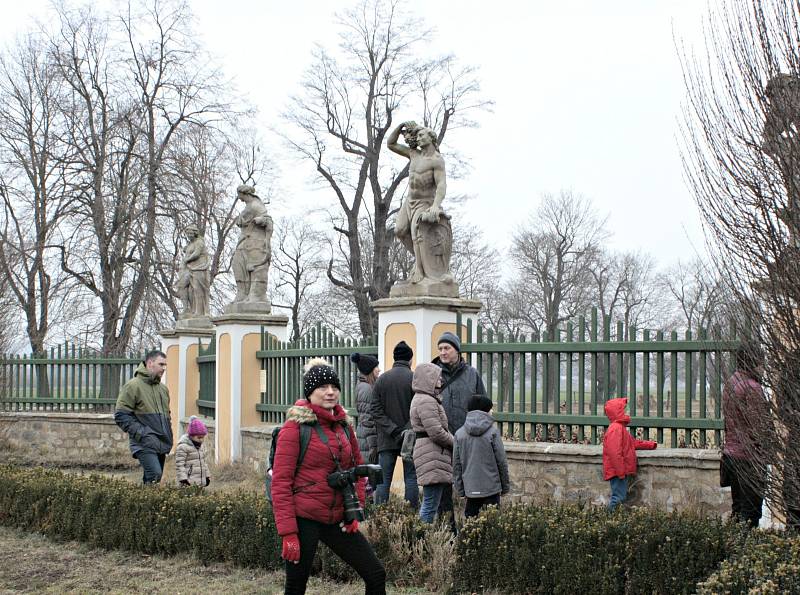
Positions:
{"x": 308, "y": 494}
{"x": 619, "y": 447}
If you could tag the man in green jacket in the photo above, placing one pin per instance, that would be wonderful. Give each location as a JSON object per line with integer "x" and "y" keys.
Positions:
{"x": 143, "y": 413}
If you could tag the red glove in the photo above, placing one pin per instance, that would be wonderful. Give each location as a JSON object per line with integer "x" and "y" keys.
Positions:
{"x": 351, "y": 528}
{"x": 291, "y": 548}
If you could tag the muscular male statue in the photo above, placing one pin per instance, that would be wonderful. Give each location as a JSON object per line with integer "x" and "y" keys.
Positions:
{"x": 421, "y": 225}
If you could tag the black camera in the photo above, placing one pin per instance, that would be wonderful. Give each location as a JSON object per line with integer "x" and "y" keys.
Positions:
{"x": 344, "y": 481}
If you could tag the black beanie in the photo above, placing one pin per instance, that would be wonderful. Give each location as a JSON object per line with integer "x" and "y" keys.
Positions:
{"x": 402, "y": 352}
{"x": 317, "y": 376}
{"x": 365, "y": 363}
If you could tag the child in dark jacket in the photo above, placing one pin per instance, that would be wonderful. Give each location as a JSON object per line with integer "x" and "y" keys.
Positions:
{"x": 619, "y": 451}
{"x": 480, "y": 470}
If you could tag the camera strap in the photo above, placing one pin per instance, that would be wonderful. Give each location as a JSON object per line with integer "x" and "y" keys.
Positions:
{"x": 324, "y": 438}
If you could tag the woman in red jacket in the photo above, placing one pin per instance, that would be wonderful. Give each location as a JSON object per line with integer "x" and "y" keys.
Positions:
{"x": 307, "y": 510}
{"x": 619, "y": 451}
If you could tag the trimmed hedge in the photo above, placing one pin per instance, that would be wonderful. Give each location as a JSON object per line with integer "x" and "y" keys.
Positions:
{"x": 768, "y": 563}
{"x": 114, "y": 514}
{"x": 568, "y": 549}
{"x": 519, "y": 549}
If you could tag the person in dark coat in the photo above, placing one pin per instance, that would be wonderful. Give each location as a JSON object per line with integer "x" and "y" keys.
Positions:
{"x": 307, "y": 509}
{"x": 142, "y": 411}
{"x": 391, "y": 406}
{"x": 460, "y": 382}
{"x": 748, "y": 422}
{"x": 368, "y": 372}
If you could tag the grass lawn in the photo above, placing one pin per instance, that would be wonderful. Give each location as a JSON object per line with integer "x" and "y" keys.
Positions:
{"x": 31, "y": 563}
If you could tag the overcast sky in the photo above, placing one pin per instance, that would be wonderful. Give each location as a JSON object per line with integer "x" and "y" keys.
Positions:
{"x": 587, "y": 97}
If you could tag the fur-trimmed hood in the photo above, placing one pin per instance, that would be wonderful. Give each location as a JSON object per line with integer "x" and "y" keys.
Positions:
{"x": 304, "y": 412}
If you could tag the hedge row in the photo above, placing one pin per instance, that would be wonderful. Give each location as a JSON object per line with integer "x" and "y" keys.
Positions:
{"x": 519, "y": 549}
{"x": 113, "y": 514}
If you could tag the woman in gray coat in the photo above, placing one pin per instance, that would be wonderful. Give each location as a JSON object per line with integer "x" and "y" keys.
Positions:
{"x": 433, "y": 450}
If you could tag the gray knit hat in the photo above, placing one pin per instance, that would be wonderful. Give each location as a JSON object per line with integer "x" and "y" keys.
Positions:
{"x": 449, "y": 337}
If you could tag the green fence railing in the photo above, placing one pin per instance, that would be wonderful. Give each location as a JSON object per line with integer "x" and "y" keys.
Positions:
{"x": 67, "y": 378}
{"x": 282, "y": 368}
{"x": 207, "y": 392}
{"x": 553, "y": 388}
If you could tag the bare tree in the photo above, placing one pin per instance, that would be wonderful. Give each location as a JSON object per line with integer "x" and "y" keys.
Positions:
{"x": 32, "y": 183}
{"x": 341, "y": 119}
{"x": 133, "y": 90}
{"x": 299, "y": 266}
{"x": 554, "y": 253}
{"x": 741, "y": 154}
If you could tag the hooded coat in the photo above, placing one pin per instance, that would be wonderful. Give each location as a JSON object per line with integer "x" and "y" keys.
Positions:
{"x": 480, "y": 468}
{"x": 365, "y": 429}
{"x": 307, "y": 494}
{"x": 434, "y": 444}
{"x": 462, "y": 382}
{"x": 143, "y": 412}
{"x": 190, "y": 462}
{"x": 619, "y": 446}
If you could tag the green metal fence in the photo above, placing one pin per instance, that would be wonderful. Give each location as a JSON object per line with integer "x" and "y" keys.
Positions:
{"x": 207, "y": 393}
{"x": 282, "y": 368}
{"x": 553, "y": 388}
{"x": 67, "y": 378}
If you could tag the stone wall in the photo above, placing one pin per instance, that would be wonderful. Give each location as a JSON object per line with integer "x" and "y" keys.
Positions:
{"x": 65, "y": 436}
{"x": 668, "y": 479}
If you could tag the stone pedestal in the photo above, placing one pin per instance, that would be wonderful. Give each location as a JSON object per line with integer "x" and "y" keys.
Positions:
{"x": 183, "y": 375}
{"x": 238, "y": 338}
{"x": 419, "y": 321}
{"x": 201, "y": 323}
{"x": 252, "y": 308}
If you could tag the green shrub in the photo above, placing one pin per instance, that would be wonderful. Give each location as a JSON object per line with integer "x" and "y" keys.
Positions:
{"x": 116, "y": 514}
{"x": 568, "y": 549}
{"x": 767, "y": 563}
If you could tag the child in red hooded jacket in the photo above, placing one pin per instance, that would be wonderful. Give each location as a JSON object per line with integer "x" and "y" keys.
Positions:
{"x": 619, "y": 451}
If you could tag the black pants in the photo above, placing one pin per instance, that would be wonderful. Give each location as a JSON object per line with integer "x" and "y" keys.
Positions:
{"x": 152, "y": 466}
{"x": 474, "y": 505}
{"x": 747, "y": 489}
{"x": 353, "y": 548}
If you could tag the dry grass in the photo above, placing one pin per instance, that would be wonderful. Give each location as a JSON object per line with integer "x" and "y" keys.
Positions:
{"x": 34, "y": 564}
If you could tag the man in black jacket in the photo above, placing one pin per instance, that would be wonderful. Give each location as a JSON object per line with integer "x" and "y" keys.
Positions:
{"x": 391, "y": 406}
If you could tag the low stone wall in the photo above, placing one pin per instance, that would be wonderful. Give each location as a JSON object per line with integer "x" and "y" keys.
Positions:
{"x": 668, "y": 479}
{"x": 83, "y": 437}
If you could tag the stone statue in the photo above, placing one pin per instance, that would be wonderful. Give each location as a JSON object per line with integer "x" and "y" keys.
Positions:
{"x": 422, "y": 226}
{"x": 253, "y": 254}
{"x": 193, "y": 282}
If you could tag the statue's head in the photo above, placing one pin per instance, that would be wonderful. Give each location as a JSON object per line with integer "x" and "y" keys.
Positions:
{"x": 191, "y": 231}
{"x": 245, "y": 190}
{"x": 420, "y": 136}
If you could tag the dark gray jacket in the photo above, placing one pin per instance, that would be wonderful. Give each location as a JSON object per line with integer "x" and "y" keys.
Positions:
{"x": 479, "y": 459}
{"x": 365, "y": 430}
{"x": 464, "y": 381}
{"x": 391, "y": 404}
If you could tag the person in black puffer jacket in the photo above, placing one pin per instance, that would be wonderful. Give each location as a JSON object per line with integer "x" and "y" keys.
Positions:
{"x": 368, "y": 372}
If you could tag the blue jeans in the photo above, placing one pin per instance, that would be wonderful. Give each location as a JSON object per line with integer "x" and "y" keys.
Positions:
{"x": 431, "y": 496}
{"x": 152, "y": 466}
{"x": 387, "y": 460}
{"x": 619, "y": 491}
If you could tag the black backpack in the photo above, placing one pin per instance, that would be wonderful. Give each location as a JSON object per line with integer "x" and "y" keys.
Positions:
{"x": 305, "y": 438}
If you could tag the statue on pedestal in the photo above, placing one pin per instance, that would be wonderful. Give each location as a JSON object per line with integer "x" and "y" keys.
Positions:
{"x": 422, "y": 226}
{"x": 251, "y": 259}
{"x": 193, "y": 282}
